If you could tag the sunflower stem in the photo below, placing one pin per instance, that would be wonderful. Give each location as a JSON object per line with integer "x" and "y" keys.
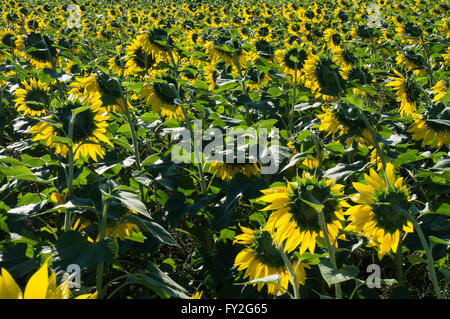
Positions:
{"x": 399, "y": 265}
{"x": 291, "y": 272}
{"x": 330, "y": 248}
{"x": 292, "y": 112}
{"x": 375, "y": 142}
{"x": 318, "y": 154}
{"x": 241, "y": 82}
{"x": 68, "y": 216}
{"x": 102, "y": 230}
{"x": 201, "y": 174}
{"x": 133, "y": 136}
{"x": 428, "y": 253}
{"x": 430, "y": 72}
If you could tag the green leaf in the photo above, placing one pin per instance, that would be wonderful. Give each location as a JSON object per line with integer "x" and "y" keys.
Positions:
{"x": 73, "y": 248}
{"x": 436, "y": 240}
{"x": 131, "y": 201}
{"x": 152, "y": 228}
{"x": 332, "y": 276}
{"x": 15, "y": 260}
{"x": 155, "y": 278}
{"x": 28, "y": 210}
{"x": 271, "y": 279}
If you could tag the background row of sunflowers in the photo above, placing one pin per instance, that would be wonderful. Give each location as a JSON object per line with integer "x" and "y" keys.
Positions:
{"x": 90, "y": 93}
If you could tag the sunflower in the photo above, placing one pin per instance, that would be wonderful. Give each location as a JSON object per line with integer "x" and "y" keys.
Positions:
{"x": 39, "y": 286}
{"x": 429, "y": 127}
{"x": 222, "y": 49}
{"x": 360, "y": 75}
{"x": 33, "y": 99}
{"x": 261, "y": 258}
{"x": 213, "y": 71}
{"x": 157, "y": 44}
{"x": 344, "y": 120}
{"x": 38, "y": 50}
{"x": 334, "y": 40}
{"x": 89, "y": 128}
{"x": 226, "y": 171}
{"x": 138, "y": 59}
{"x": 197, "y": 295}
{"x": 294, "y": 222}
{"x": 310, "y": 162}
{"x": 446, "y": 57}
{"x": 411, "y": 61}
{"x": 291, "y": 59}
{"x": 439, "y": 90}
{"x": 7, "y": 38}
{"x": 407, "y": 92}
{"x": 445, "y": 27}
{"x": 161, "y": 95}
{"x": 263, "y": 50}
{"x": 410, "y": 31}
{"x": 115, "y": 229}
{"x": 379, "y": 215}
{"x": 323, "y": 77}
{"x": 72, "y": 68}
{"x": 102, "y": 84}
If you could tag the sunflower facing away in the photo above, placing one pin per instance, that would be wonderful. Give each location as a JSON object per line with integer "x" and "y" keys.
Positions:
{"x": 226, "y": 171}
{"x": 261, "y": 258}
{"x": 161, "y": 95}
{"x": 100, "y": 83}
{"x": 429, "y": 127}
{"x": 407, "y": 93}
{"x": 38, "y": 50}
{"x": 323, "y": 77}
{"x": 378, "y": 215}
{"x": 39, "y": 286}
{"x": 294, "y": 223}
{"x": 344, "y": 120}
{"x": 33, "y": 99}
{"x": 89, "y": 128}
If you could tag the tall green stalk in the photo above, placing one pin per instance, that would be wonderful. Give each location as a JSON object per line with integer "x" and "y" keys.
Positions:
{"x": 102, "y": 230}
{"x": 330, "y": 248}
{"x": 428, "y": 253}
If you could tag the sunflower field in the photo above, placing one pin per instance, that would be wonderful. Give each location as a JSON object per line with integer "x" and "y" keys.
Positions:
{"x": 96, "y": 101}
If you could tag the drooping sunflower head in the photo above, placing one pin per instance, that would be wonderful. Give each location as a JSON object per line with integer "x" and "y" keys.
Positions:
{"x": 89, "y": 128}
{"x": 261, "y": 258}
{"x": 430, "y": 127}
{"x": 138, "y": 59}
{"x": 264, "y": 49}
{"x": 344, "y": 119}
{"x": 410, "y": 31}
{"x": 323, "y": 77}
{"x": 295, "y": 220}
{"x": 407, "y": 91}
{"x": 411, "y": 61}
{"x": 226, "y": 171}
{"x": 104, "y": 85}
{"x": 33, "y": 99}
{"x": 157, "y": 43}
{"x": 116, "y": 227}
{"x": 38, "y": 49}
{"x": 380, "y": 213}
{"x": 213, "y": 71}
{"x": 360, "y": 75}
{"x": 161, "y": 96}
